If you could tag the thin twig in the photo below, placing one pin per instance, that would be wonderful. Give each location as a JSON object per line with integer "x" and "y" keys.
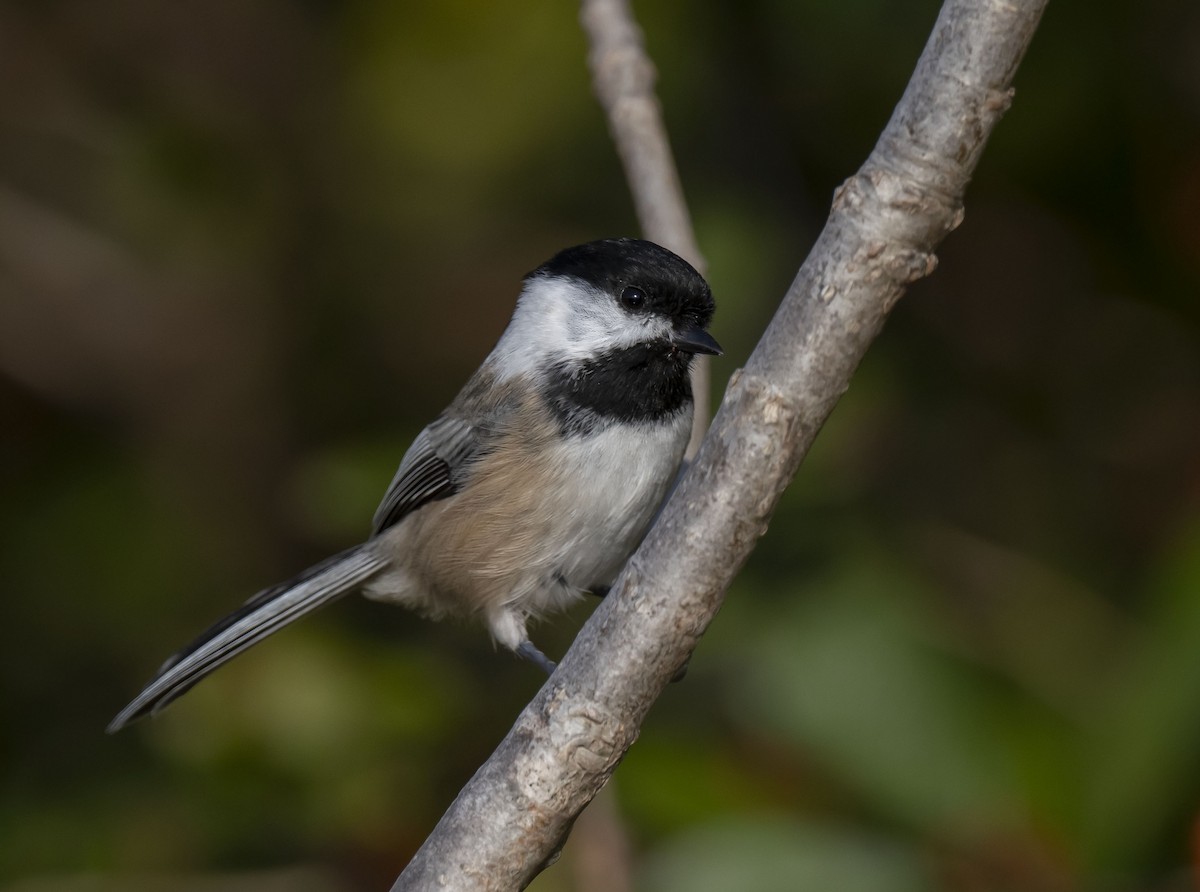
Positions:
{"x": 623, "y": 77}
{"x": 510, "y": 819}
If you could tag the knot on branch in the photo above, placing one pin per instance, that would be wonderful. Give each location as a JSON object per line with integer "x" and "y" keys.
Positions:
{"x": 584, "y": 734}
{"x": 755, "y": 396}
{"x": 895, "y": 223}
{"x": 922, "y": 210}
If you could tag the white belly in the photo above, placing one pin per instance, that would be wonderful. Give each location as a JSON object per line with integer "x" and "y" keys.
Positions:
{"x": 617, "y": 480}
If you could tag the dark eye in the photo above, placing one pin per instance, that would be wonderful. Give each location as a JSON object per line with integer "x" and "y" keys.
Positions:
{"x": 633, "y": 298}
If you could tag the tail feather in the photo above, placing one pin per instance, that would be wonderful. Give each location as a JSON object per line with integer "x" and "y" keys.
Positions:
{"x": 267, "y": 612}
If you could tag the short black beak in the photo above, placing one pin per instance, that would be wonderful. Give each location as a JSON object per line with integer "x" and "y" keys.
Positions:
{"x": 695, "y": 339}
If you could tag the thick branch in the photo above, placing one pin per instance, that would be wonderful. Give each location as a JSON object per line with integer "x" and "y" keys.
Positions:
{"x": 885, "y": 223}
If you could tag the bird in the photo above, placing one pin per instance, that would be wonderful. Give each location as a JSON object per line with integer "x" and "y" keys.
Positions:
{"x": 535, "y": 484}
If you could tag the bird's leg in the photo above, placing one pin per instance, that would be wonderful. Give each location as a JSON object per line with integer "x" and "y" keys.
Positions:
{"x": 526, "y": 650}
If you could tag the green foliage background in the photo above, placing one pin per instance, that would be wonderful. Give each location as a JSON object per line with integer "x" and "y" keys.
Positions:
{"x": 247, "y": 249}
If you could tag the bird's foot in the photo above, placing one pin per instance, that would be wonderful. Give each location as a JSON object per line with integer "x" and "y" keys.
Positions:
{"x": 526, "y": 650}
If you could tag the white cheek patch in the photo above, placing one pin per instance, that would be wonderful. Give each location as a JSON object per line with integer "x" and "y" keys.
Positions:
{"x": 603, "y": 326}
{"x": 564, "y": 319}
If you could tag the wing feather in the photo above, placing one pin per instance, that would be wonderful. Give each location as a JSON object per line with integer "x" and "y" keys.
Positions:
{"x": 435, "y": 466}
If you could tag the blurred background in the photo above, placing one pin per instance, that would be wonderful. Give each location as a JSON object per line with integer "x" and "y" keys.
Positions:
{"x": 248, "y": 249}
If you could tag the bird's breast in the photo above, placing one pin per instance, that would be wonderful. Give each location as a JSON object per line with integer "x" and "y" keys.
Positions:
{"x": 541, "y": 519}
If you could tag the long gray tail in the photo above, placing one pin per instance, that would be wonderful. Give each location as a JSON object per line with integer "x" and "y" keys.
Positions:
{"x": 268, "y": 611}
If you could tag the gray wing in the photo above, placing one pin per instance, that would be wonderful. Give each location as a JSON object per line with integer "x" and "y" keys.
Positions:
{"x": 435, "y": 466}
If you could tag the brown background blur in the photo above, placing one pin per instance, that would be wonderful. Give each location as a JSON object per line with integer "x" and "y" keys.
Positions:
{"x": 247, "y": 249}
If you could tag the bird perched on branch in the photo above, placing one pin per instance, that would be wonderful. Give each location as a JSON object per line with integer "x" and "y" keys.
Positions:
{"x": 537, "y": 482}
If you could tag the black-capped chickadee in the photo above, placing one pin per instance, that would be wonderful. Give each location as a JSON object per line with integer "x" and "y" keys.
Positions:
{"x": 538, "y": 481}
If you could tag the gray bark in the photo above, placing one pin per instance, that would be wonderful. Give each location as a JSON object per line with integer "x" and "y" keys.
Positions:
{"x": 885, "y": 223}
